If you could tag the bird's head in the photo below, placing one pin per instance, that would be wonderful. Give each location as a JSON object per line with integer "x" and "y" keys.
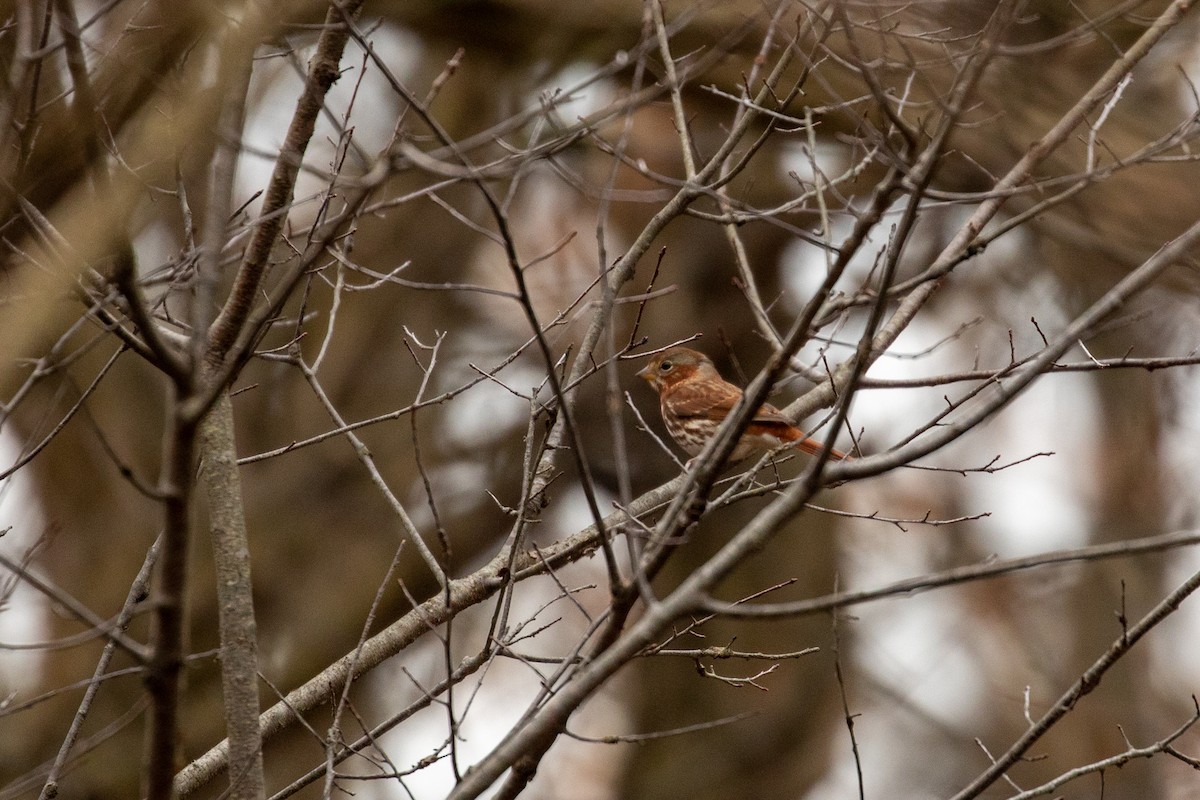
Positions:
{"x": 674, "y": 365}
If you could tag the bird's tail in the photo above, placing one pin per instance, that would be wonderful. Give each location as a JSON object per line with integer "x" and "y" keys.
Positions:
{"x": 812, "y": 446}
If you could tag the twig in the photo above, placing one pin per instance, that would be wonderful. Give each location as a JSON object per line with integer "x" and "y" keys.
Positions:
{"x": 137, "y": 593}
{"x": 1117, "y": 761}
{"x": 1087, "y": 682}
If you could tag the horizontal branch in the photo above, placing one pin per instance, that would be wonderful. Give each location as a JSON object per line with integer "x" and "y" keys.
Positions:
{"x": 951, "y": 577}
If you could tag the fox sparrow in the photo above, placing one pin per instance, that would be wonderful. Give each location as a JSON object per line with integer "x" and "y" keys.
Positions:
{"x": 695, "y": 399}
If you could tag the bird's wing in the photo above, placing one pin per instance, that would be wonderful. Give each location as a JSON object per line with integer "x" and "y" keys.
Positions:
{"x": 713, "y": 400}
{"x": 703, "y": 399}
{"x": 770, "y": 415}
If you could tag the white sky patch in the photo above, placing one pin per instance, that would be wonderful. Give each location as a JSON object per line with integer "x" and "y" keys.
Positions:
{"x": 1183, "y": 56}
{"x": 487, "y": 412}
{"x": 24, "y": 618}
{"x": 570, "y": 105}
{"x": 1037, "y": 506}
{"x": 882, "y": 411}
{"x": 570, "y": 512}
{"x": 273, "y": 94}
{"x": 457, "y": 487}
{"x": 936, "y": 676}
{"x": 923, "y": 650}
{"x": 914, "y": 649}
{"x": 1176, "y": 645}
{"x": 804, "y": 265}
{"x": 1181, "y": 445}
{"x": 508, "y": 686}
{"x": 829, "y": 157}
{"x": 1034, "y": 506}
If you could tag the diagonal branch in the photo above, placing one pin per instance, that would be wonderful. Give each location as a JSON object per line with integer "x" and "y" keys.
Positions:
{"x": 322, "y": 73}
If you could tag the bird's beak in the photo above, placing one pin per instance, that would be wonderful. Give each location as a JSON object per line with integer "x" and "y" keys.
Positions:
{"x": 645, "y": 373}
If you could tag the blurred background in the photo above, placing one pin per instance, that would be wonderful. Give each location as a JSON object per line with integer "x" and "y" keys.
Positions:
{"x": 935, "y": 681}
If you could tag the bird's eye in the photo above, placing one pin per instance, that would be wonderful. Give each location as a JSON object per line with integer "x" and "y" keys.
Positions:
{"x": 665, "y": 366}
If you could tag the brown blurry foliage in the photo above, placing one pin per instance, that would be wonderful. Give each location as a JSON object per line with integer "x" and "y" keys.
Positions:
{"x": 426, "y": 342}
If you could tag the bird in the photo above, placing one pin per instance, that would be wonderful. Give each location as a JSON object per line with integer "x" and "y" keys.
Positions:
{"x": 695, "y": 399}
